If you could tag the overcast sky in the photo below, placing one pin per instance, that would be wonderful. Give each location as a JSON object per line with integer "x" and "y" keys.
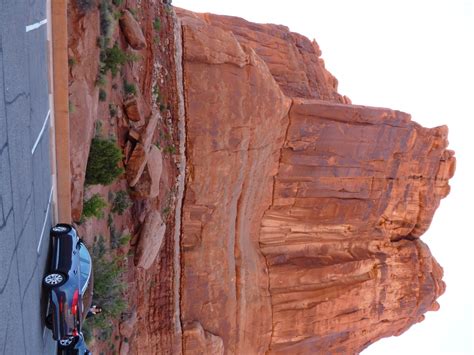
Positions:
{"x": 416, "y": 56}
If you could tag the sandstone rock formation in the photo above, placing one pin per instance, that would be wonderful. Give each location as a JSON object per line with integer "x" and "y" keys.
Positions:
{"x": 149, "y": 184}
{"x": 151, "y": 238}
{"x": 132, "y": 31}
{"x": 302, "y": 213}
{"x": 136, "y": 164}
{"x": 132, "y": 109}
{"x": 196, "y": 339}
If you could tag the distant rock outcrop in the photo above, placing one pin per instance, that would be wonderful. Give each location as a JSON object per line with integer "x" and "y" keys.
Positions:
{"x": 302, "y": 212}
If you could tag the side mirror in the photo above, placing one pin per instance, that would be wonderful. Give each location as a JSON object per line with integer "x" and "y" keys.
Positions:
{"x": 79, "y": 243}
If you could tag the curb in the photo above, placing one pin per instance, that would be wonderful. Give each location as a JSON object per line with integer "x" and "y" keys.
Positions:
{"x": 59, "y": 74}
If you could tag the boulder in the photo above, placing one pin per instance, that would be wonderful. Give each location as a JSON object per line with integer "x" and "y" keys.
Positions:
{"x": 133, "y": 135}
{"x": 136, "y": 164}
{"x": 132, "y": 31}
{"x": 124, "y": 348}
{"x": 133, "y": 109}
{"x": 127, "y": 152}
{"x": 146, "y": 136}
{"x": 149, "y": 184}
{"x": 150, "y": 241}
{"x": 127, "y": 326}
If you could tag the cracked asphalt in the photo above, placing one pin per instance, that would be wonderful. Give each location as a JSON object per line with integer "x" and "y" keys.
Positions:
{"x": 25, "y": 178}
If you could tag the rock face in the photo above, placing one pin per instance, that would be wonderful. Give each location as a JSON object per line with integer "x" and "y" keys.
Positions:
{"x": 302, "y": 212}
{"x": 196, "y": 339}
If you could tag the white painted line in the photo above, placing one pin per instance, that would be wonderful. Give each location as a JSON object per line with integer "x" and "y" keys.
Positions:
{"x": 41, "y": 132}
{"x": 36, "y": 25}
{"x": 45, "y": 220}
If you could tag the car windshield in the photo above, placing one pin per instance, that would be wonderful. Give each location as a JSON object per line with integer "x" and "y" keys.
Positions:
{"x": 85, "y": 267}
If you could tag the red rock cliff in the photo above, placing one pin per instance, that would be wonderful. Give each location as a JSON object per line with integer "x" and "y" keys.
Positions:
{"x": 302, "y": 212}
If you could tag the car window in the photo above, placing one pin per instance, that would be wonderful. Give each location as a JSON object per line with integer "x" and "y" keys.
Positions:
{"x": 86, "y": 265}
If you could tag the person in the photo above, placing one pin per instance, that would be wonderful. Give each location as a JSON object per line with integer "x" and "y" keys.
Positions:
{"x": 95, "y": 309}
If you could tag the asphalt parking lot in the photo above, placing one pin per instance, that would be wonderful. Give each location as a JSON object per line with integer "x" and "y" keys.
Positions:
{"x": 25, "y": 177}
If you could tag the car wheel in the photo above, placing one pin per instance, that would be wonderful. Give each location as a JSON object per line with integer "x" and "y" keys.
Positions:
{"x": 48, "y": 322}
{"x": 54, "y": 279}
{"x": 60, "y": 229}
{"x": 68, "y": 342}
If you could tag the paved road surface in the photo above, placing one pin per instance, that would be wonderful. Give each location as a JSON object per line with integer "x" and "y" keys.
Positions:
{"x": 25, "y": 177}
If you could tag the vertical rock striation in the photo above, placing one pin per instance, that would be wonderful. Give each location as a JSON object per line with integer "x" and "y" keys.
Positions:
{"x": 355, "y": 188}
{"x": 302, "y": 213}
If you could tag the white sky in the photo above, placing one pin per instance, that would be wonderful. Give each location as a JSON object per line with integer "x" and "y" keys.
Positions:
{"x": 416, "y": 56}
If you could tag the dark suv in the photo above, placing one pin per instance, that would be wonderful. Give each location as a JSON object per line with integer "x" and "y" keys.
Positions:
{"x": 68, "y": 280}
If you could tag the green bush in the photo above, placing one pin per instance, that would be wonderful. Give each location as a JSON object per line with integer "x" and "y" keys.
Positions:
{"x": 170, "y": 149}
{"x": 108, "y": 289}
{"x": 101, "y": 80}
{"x": 106, "y": 19}
{"x": 157, "y": 24}
{"x": 104, "y": 157}
{"x": 108, "y": 292}
{"x": 121, "y": 202}
{"x": 85, "y": 5}
{"x": 94, "y": 207}
{"x": 117, "y": 2}
{"x": 113, "y": 110}
{"x": 114, "y": 57}
{"x": 71, "y": 62}
{"x": 102, "y": 95}
{"x": 129, "y": 88}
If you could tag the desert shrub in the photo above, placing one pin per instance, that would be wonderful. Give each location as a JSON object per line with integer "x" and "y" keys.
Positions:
{"x": 102, "y": 42}
{"x": 104, "y": 157}
{"x": 106, "y": 19}
{"x": 113, "y": 110}
{"x": 114, "y": 57}
{"x": 171, "y": 149}
{"x": 94, "y": 207}
{"x": 124, "y": 239}
{"x": 102, "y": 95}
{"x": 85, "y": 5}
{"x": 109, "y": 289}
{"x": 129, "y": 88}
{"x": 71, "y": 62}
{"x": 121, "y": 201}
{"x": 118, "y": 240}
{"x": 108, "y": 283}
{"x": 101, "y": 80}
{"x": 157, "y": 24}
{"x": 98, "y": 128}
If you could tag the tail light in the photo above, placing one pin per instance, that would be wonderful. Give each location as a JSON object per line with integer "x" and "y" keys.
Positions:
{"x": 75, "y": 301}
